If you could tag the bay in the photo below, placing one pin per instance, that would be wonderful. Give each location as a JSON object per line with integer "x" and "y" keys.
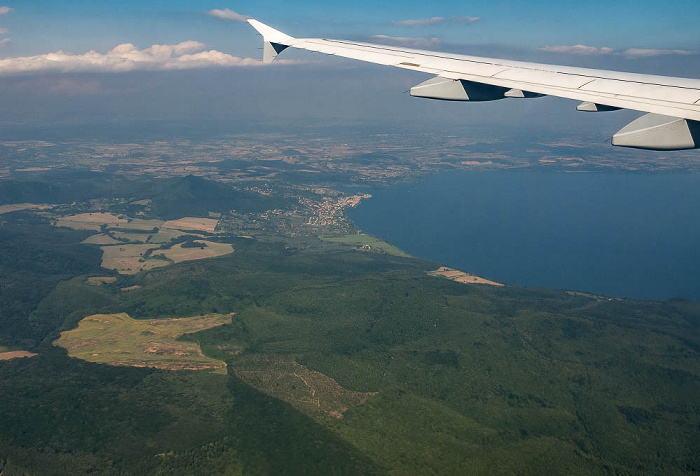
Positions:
{"x": 617, "y": 234}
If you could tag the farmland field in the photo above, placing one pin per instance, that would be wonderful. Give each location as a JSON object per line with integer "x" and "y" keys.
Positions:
{"x": 117, "y": 339}
{"x": 177, "y": 253}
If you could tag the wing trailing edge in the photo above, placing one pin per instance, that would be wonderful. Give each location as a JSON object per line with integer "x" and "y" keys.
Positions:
{"x": 672, "y": 104}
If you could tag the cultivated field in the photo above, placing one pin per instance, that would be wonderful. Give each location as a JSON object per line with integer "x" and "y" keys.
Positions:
{"x": 164, "y": 235}
{"x": 192, "y": 223}
{"x": 90, "y": 221}
{"x": 16, "y": 354}
{"x": 23, "y": 206}
{"x": 138, "y": 224}
{"x": 461, "y": 276}
{"x": 128, "y": 259}
{"x": 178, "y": 254}
{"x": 117, "y": 339}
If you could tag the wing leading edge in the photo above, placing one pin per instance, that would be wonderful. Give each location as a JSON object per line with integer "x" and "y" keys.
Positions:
{"x": 672, "y": 104}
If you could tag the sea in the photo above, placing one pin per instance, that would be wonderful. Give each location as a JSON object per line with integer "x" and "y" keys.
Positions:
{"x": 631, "y": 235}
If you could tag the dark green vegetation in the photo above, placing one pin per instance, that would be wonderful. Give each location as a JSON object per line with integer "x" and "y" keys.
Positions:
{"x": 172, "y": 198}
{"x": 469, "y": 379}
{"x": 34, "y": 258}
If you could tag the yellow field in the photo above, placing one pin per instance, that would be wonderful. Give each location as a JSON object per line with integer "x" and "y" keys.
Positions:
{"x": 178, "y": 254}
{"x": 117, "y": 339}
{"x": 461, "y": 276}
{"x": 90, "y": 221}
{"x": 97, "y": 280}
{"x": 16, "y": 354}
{"x": 23, "y": 206}
{"x": 192, "y": 223}
{"x": 126, "y": 259}
{"x": 311, "y": 392}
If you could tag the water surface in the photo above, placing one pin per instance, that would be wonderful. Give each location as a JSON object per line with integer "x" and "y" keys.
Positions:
{"x": 618, "y": 234}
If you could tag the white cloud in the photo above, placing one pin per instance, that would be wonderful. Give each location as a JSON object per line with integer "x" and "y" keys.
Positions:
{"x": 578, "y": 50}
{"x": 410, "y": 42}
{"x": 437, "y": 20}
{"x": 4, "y": 31}
{"x": 420, "y": 22}
{"x": 5, "y": 42}
{"x": 123, "y": 58}
{"x": 648, "y": 53}
{"x": 464, "y": 19}
{"x": 5, "y": 10}
{"x": 227, "y": 14}
{"x": 628, "y": 53}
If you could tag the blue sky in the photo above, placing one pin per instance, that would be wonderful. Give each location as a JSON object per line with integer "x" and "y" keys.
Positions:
{"x": 223, "y": 78}
{"x": 40, "y": 26}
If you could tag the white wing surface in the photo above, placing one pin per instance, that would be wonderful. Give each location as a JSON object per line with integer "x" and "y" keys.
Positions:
{"x": 672, "y": 104}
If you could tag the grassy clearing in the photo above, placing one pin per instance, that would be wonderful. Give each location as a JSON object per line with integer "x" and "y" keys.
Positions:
{"x": 132, "y": 237}
{"x": 117, "y": 339}
{"x": 128, "y": 259}
{"x": 310, "y": 392}
{"x": 367, "y": 243}
{"x": 178, "y": 254}
{"x": 164, "y": 235}
{"x": 138, "y": 224}
{"x": 97, "y": 280}
{"x": 100, "y": 239}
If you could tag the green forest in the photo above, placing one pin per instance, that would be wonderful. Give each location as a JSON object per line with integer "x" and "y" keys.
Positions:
{"x": 339, "y": 361}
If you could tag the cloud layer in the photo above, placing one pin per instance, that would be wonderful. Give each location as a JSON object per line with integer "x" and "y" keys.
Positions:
{"x": 647, "y": 53}
{"x": 227, "y": 14}
{"x": 5, "y": 10}
{"x": 632, "y": 53}
{"x": 409, "y": 42}
{"x": 125, "y": 57}
{"x": 464, "y": 20}
{"x": 578, "y": 50}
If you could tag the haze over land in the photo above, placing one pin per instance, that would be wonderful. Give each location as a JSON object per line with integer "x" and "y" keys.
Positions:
{"x": 182, "y": 290}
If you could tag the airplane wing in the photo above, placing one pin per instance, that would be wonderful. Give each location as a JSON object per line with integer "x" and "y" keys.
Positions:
{"x": 672, "y": 104}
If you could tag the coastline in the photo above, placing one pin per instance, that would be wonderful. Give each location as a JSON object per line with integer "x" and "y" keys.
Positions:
{"x": 617, "y": 235}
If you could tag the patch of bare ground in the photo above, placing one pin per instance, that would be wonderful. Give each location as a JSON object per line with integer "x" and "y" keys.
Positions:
{"x": 130, "y": 288}
{"x": 311, "y": 392}
{"x": 461, "y": 276}
{"x": 16, "y": 354}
